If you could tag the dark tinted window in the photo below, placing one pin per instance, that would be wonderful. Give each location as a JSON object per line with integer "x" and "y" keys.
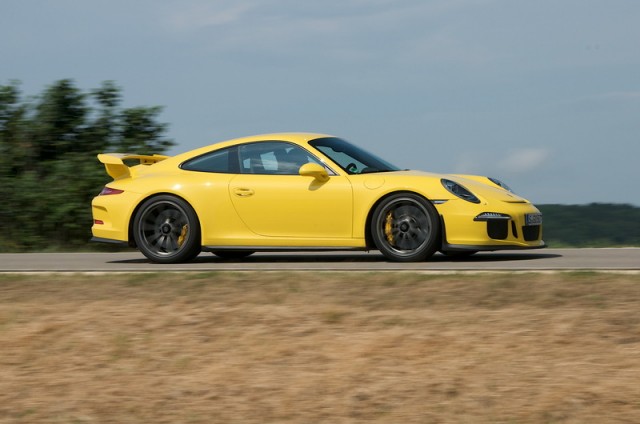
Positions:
{"x": 220, "y": 161}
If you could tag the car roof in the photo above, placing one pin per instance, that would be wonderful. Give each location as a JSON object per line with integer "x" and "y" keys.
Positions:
{"x": 295, "y": 137}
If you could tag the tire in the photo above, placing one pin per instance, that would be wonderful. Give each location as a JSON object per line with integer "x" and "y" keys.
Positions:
{"x": 166, "y": 230}
{"x": 405, "y": 228}
{"x": 233, "y": 254}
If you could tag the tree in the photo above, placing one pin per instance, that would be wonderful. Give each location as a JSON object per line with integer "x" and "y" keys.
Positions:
{"x": 140, "y": 131}
{"x": 592, "y": 225}
{"x": 59, "y": 122}
{"x": 14, "y": 140}
{"x": 48, "y": 167}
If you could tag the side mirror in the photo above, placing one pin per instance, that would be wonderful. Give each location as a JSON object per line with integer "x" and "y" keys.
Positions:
{"x": 314, "y": 170}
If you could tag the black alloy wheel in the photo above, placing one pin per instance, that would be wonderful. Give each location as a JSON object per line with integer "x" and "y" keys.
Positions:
{"x": 405, "y": 228}
{"x": 166, "y": 230}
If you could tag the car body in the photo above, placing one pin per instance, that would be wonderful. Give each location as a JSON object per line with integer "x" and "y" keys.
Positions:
{"x": 302, "y": 191}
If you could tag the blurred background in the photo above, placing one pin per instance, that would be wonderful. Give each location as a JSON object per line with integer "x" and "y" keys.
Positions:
{"x": 543, "y": 95}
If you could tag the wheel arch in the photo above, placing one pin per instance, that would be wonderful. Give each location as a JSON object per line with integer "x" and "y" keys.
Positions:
{"x": 367, "y": 231}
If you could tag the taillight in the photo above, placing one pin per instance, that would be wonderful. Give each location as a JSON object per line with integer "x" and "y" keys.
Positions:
{"x": 108, "y": 190}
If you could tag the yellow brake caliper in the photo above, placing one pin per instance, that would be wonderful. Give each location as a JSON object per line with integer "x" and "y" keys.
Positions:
{"x": 183, "y": 235}
{"x": 388, "y": 228}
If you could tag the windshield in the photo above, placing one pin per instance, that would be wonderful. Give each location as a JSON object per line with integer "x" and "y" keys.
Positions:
{"x": 351, "y": 158}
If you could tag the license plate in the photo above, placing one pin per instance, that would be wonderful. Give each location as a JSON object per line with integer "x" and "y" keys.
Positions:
{"x": 533, "y": 219}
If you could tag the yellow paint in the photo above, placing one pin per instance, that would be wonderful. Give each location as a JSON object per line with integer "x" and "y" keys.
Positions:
{"x": 313, "y": 209}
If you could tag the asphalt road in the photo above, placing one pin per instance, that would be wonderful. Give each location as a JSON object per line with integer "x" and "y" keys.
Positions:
{"x": 623, "y": 259}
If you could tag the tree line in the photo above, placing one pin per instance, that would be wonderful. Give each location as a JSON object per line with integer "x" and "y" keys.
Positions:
{"x": 48, "y": 167}
{"x": 49, "y": 172}
{"x": 591, "y": 225}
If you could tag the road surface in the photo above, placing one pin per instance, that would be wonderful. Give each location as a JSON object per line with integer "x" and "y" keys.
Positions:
{"x": 619, "y": 259}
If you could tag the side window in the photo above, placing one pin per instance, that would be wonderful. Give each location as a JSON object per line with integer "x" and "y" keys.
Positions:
{"x": 220, "y": 161}
{"x": 273, "y": 157}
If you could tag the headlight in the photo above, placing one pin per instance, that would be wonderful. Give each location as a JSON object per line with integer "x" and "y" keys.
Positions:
{"x": 459, "y": 191}
{"x": 500, "y": 184}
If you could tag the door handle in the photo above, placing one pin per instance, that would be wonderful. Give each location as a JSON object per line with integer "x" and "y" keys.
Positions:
{"x": 243, "y": 192}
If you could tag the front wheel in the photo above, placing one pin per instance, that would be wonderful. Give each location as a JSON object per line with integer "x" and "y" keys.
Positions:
{"x": 405, "y": 228}
{"x": 166, "y": 230}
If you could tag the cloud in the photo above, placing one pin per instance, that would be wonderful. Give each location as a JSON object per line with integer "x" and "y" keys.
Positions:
{"x": 202, "y": 15}
{"x": 525, "y": 160}
{"x": 622, "y": 95}
{"x": 515, "y": 162}
{"x": 405, "y": 32}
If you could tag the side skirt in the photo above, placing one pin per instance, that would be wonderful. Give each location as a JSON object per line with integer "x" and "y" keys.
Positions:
{"x": 109, "y": 241}
{"x": 283, "y": 248}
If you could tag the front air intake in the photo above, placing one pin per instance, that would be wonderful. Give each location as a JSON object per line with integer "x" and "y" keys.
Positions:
{"x": 531, "y": 232}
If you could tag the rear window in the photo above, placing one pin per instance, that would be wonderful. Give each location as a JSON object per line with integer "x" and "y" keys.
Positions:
{"x": 219, "y": 161}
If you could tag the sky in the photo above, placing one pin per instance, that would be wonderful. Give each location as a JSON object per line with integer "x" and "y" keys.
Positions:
{"x": 544, "y": 95}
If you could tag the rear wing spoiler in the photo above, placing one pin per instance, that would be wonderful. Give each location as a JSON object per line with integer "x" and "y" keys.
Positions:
{"x": 117, "y": 169}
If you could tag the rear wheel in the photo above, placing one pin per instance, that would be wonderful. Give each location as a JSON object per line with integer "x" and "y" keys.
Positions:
{"x": 405, "y": 228}
{"x": 166, "y": 230}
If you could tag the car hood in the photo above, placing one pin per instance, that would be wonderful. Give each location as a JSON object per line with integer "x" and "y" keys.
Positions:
{"x": 479, "y": 185}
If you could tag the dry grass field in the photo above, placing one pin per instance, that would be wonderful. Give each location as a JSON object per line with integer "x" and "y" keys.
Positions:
{"x": 320, "y": 348}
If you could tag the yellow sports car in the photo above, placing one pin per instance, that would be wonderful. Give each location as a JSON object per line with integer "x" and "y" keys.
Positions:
{"x": 299, "y": 191}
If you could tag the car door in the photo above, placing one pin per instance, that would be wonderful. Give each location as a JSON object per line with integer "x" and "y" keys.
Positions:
{"x": 273, "y": 200}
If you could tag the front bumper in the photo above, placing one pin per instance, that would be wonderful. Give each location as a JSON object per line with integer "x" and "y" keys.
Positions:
{"x": 501, "y": 226}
